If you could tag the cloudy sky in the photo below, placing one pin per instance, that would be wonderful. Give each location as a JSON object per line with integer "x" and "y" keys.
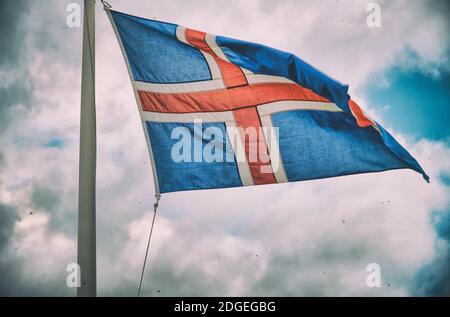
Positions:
{"x": 302, "y": 239}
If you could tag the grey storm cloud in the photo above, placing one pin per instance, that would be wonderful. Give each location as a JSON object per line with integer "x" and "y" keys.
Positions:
{"x": 9, "y": 268}
{"x": 26, "y": 29}
{"x": 13, "y": 93}
{"x": 62, "y": 218}
{"x": 12, "y": 282}
{"x": 18, "y": 89}
{"x": 12, "y": 279}
{"x": 434, "y": 278}
{"x": 13, "y": 32}
{"x": 441, "y": 7}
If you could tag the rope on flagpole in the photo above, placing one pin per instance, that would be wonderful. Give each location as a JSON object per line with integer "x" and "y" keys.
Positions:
{"x": 155, "y": 208}
{"x": 106, "y": 5}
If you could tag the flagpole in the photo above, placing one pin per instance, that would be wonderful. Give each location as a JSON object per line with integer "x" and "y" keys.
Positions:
{"x": 87, "y": 164}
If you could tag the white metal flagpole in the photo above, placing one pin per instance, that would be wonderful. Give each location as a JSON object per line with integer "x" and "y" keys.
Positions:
{"x": 87, "y": 172}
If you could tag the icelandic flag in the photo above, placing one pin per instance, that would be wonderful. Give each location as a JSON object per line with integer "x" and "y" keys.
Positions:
{"x": 181, "y": 77}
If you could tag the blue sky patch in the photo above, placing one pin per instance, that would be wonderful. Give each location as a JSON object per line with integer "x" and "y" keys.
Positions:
{"x": 55, "y": 143}
{"x": 417, "y": 104}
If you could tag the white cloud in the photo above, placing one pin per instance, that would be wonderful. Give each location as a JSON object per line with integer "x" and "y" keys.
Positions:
{"x": 42, "y": 249}
{"x": 310, "y": 238}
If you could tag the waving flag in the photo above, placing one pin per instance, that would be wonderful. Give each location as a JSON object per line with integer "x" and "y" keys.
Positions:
{"x": 188, "y": 83}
